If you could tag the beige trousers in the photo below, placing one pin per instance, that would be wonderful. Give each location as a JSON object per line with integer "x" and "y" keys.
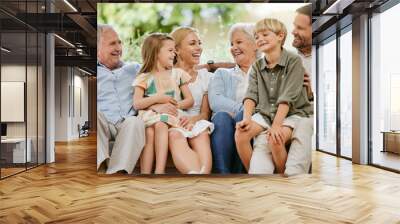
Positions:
{"x": 299, "y": 155}
{"x": 129, "y": 137}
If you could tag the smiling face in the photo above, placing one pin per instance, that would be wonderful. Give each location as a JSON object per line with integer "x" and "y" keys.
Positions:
{"x": 302, "y": 31}
{"x": 267, "y": 40}
{"x": 243, "y": 49}
{"x": 166, "y": 54}
{"x": 190, "y": 49}
{"x": 110, "y": 49}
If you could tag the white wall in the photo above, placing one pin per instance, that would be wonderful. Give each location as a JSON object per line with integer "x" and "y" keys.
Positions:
{"x": 17, "y": 73}
{"x": 33, "y": 126}
{"x": 82, "y": 83}
{"x": 61, "y": 103}
{"x": 70, "y": 83}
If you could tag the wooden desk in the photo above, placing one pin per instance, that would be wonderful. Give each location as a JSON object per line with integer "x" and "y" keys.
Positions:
{"x": 391, "y": 141}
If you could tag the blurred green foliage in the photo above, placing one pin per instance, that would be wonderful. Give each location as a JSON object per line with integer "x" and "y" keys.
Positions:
{"x": 134, "y": 20}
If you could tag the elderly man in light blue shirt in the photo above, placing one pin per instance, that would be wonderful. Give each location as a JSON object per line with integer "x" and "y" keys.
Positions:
{"x": 115, "y": 113}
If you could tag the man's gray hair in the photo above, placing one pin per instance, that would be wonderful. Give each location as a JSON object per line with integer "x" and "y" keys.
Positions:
{"x": 100, "y": 29}
{"x": 246, "y": 28}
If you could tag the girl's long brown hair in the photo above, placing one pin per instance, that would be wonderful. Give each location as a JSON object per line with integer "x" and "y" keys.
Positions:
{"x": 150, "y": 50}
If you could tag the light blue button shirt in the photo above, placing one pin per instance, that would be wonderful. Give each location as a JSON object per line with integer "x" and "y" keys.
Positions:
{"x": 115, "y": 91}
{"x": 222, "y": 90}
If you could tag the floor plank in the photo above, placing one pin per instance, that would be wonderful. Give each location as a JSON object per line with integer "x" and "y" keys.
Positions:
{"x": 70, "y": 191}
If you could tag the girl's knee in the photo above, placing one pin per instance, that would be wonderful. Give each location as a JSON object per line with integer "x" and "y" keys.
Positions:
{"x": 160, "y": 125}
{"x": 174, "y": 135}
{"x": 149, "y": 132}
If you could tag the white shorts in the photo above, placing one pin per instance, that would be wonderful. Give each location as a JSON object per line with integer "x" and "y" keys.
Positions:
{"x": 288, "y": 121}
{"x": 197, "y": 129}
{"x": 261, "y": 160}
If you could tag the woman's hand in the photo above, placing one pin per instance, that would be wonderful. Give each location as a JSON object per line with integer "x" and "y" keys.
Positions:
{"x": 186, "y": 122}
{"x": 161, "y": 98}
{"x": 244, "y": 125}
{"x": 183, "y": 121}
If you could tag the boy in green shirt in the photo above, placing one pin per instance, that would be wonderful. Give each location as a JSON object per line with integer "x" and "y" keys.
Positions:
{"x": 277, "y": 95}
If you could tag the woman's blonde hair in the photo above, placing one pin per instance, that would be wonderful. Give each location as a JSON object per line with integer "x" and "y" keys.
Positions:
{"x": 180, "y": 33}
{"x": 150, "y": 50}
{"x": 272, "y": 25}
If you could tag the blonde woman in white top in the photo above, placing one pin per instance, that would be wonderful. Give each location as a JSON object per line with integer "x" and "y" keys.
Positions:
{"x": 192, "y": 155}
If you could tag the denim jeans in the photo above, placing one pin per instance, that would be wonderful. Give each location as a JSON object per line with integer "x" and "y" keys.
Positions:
{"x": 225, "y": 157}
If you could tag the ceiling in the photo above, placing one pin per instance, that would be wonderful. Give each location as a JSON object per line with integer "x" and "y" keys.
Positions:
{"x": 329, "y": 16}
{"x": 75, "y": 23}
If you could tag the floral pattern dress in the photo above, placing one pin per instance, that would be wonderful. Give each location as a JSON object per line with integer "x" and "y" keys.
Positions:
{"x": 154, "y": 85}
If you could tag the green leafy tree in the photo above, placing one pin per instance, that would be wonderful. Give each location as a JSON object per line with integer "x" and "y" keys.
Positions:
{"x": 134, "y": 20}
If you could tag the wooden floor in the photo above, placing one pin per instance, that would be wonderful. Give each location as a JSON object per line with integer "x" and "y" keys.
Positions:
{"x": 10, "y": 171}
{"x": 387, "y": 159}
{"x": 70, "y": 191}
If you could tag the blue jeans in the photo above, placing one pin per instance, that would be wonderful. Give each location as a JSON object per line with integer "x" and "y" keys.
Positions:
{"x": 225, "y": 157}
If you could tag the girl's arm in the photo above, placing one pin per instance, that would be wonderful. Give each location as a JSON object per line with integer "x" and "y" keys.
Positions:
{"x": 140, "y": 102}
{"x": 187, "y": 101}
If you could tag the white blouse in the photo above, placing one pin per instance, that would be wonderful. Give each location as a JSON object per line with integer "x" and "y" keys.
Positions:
{"x": 199, "y": 88}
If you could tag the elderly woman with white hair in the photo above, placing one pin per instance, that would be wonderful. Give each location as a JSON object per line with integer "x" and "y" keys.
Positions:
{"x": 225, "y": 94}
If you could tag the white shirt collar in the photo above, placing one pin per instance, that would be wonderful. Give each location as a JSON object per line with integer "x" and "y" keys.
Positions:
{"x": 238, "y": 70}
{"x": 303, "y": 55}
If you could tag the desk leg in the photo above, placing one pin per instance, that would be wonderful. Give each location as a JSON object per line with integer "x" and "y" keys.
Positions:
{"x": 384, "y": 142}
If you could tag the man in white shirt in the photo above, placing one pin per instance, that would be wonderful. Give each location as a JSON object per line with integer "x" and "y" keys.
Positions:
{"x": 302, "y": 33}
{"x": 299, "y": 156}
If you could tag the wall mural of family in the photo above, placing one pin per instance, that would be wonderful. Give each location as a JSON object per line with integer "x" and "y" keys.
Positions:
{"x": 252, "y": 116}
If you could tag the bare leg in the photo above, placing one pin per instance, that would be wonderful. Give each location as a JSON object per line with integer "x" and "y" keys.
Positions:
{"x": 161, "y": 146}
{"x": 147, "y": 157}
{"x": 243, "y": 146}
{"x": 201, "y": 145}
{"x": 185, "y": 159}
{"x": 279, "y": 154}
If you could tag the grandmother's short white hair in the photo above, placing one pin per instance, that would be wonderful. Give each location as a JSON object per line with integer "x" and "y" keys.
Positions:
{"x": 246, "y": 28}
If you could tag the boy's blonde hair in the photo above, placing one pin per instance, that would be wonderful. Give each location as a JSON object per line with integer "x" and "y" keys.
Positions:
{"x": 272, "y": 25}
{"x": 181, "y": 33}
{"x": 150, "y": 50}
